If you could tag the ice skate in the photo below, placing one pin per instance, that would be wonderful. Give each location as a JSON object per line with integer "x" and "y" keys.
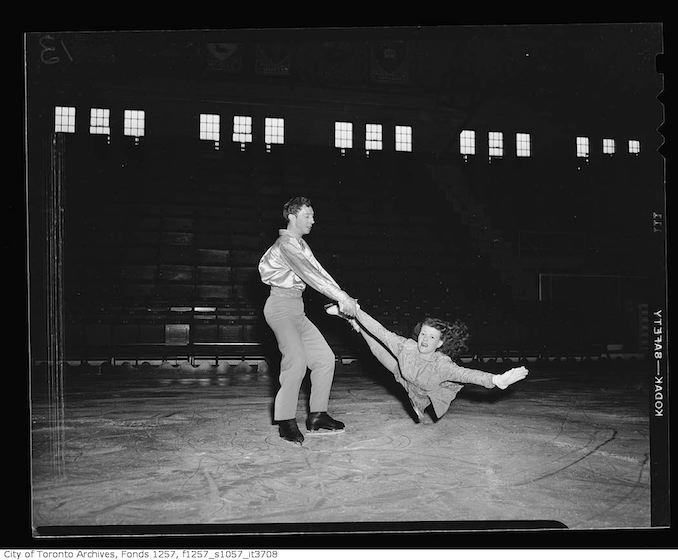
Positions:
{"x": 290, "y": 431}
{"x": 323, "y": 423}
{"x": 333, "y": 309}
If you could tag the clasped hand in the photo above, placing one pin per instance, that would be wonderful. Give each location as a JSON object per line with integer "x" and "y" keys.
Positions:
{"x": 349, "y": 307}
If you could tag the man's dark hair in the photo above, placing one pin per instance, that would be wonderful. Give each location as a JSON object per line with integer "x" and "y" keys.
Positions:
{"x": 293, "y": 206}
{"x": 454, "y": 335}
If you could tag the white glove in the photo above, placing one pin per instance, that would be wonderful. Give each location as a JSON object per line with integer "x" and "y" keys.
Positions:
{"x": 511, "y": 376}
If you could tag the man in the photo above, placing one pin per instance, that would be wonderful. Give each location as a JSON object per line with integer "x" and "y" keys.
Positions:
{"x": 288, "y": 266}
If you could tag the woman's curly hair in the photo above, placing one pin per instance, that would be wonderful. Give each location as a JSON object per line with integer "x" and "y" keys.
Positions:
{"x": 454, "y": 335}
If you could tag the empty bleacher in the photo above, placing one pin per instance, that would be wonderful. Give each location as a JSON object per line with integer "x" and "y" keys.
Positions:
{"x": 162, "y": 251}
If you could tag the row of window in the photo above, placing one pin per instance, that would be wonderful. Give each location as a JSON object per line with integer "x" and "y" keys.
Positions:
{"x": 209, "y": 129}
{"x": 495, "y": 141}
{"x": 274, "y": 133}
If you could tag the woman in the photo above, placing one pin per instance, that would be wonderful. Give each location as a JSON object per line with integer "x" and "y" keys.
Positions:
{"x": 424, "y": 367}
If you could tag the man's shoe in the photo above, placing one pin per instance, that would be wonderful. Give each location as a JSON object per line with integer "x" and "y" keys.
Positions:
{"x": 322, "y": 420}
{"x": 289, "y": 430}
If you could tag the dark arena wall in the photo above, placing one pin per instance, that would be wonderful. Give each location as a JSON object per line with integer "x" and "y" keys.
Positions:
{"x": 547, "y": 254}
{"x": 162, "y": 241}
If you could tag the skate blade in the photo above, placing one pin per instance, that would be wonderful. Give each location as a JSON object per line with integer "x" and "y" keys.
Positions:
{"x": 289, "y": 442}
{"x": 322, "y": 432}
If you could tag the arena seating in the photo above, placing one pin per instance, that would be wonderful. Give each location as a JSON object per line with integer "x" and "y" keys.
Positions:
{"x": 165, "y": 262}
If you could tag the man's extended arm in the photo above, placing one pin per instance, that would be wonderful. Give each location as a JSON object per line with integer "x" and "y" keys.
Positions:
{"x": 317, "y": 277}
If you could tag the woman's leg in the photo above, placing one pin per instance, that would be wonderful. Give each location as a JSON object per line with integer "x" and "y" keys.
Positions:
{"x": 378, "y": 347}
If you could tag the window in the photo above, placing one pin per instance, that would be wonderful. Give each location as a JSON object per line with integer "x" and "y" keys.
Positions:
{"x": 634, "y": 147}
{"x": 467, "y": 142}
{"x": 274, "y": 131}
{"x": 608, "y": 146}
{"x": 403, "y": 138}
{"x": 582, "y": 147}
{"x": 99, "y": 121}
{"x": 373, "y": 137}
{"x": 343, "y": 135}
{"x": 495, "y": 142}
{"x": 209, "y": 127}
{"x": 134, "y": 123}
{"x": 242, "y": 130}
{"x": 204, "y": 309}
{"x": 64, "y": 119}
{"x": 523, "y": 145}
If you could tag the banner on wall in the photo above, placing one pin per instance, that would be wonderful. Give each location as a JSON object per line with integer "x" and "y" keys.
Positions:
{"x": 273, "y": 59}
{"x": 390, "y": 62}
{"x": 225, "y": 57}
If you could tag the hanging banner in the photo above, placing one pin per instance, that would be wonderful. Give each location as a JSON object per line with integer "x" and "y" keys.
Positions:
{"x": 390, "y": 62}
{"x": 273, "y": 60}
{"x": 225, "y": 57}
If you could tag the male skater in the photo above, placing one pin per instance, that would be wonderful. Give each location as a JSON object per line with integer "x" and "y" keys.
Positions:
{"x": 288, "y": 266}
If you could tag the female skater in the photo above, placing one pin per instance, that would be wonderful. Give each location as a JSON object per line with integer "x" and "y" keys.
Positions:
{"x": 424, "y": 367}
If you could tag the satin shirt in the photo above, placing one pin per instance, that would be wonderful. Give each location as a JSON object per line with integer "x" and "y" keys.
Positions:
{"x": 289, "y": 263}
